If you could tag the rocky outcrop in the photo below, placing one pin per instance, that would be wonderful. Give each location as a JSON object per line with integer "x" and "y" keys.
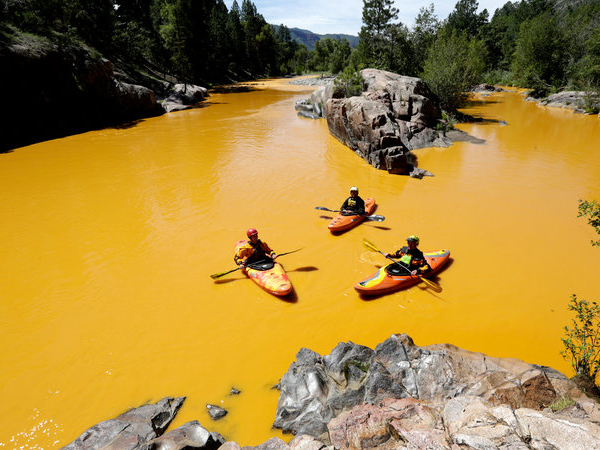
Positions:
{"x": 403, "y": 396}
{"x": 131, "y": 429}
{"x": 398, "y": 396}
{"x": 393, "y": 115}
{"x": 52, "y": 91}
{"x": 578, "y": 101}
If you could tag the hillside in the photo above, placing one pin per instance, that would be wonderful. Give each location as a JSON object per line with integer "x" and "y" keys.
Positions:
{"x": 309, "y": 38}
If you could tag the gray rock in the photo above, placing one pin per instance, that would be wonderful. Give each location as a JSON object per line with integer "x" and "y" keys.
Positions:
{"x": 216, "y": 412}
{"x": 131, "y": 429}
{"x": 187, "y": 436}
{"x": 317, "y": 389}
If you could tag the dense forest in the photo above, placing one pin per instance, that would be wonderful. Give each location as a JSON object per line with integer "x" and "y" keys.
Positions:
{"x": 546, "y": 45}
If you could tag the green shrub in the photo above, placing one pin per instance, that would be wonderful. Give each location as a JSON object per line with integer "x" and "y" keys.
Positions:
{"x": 349, "y": 83}
{"x": 591, "y": 211}
{"x": 582, "y": 341}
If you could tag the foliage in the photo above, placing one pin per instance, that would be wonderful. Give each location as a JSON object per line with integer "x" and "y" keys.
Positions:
{"x": 423, "y": 36}
{"x": 349, "y": 83}
{"x": 453, "y": 65}
{"x": 591, "y": 211}
{"x": 540, "y": 56}
{"x": 465, "y": 19}
{"x": 376, "y": 42}
{"x": 582, "y": 341}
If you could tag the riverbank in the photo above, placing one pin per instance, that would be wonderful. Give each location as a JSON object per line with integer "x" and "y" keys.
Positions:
{"x": 396, "y": 396}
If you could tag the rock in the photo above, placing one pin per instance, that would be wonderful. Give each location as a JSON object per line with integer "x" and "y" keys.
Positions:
{"x": 234, "y": 391}
{"x": 187, "y": 436}
{"x": 131, "y": 429}
{"x": 216, "y": 412}
{"x": 486, "y": 88}
{"x": 393, "y": 115}
{"x": 306, "y": 442}
{"x": 317, "y": 388}
{"x": 183, "y": 96}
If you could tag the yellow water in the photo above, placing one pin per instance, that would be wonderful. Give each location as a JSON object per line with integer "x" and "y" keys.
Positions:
{"x": 108, "y": 239}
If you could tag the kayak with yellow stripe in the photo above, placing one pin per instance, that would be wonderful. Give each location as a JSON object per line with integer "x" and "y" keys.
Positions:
{"x": 392, "y": 278}
{"x": 269, "y": 275}
{"x": 342, "y": 223}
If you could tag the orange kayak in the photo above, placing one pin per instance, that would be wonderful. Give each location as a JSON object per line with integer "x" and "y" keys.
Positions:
{"x": 269, "y": 275}
{"x": 342, "y": 223}
{"x": 390, "y": 278}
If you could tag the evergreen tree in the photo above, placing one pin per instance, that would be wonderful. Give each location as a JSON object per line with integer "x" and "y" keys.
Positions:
{"x": 464, "y": 18}
{"x": 375, "y": 42}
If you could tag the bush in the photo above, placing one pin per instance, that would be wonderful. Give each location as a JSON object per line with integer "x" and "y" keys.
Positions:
{"x": 591, "y": 211}
{"x": 349, "y": 83}
{"x": 454, "y": 64}
{"x": 582, "y": 341}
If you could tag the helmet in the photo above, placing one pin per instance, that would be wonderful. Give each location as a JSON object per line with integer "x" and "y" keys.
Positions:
{"x": 353, "y": 188}
{"x": 251, "y": 232}
{"x": 413, "y": 238}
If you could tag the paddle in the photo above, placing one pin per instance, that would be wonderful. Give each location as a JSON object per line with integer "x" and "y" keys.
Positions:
{"x": 219, "y": 275}
{"x": 372, "y": 247}
{"x": 371, "y": 217}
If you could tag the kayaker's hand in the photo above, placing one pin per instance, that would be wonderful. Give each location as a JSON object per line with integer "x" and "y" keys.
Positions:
{"x": 274, "y": 255}
{"x": 242, "y": 266}
{"x": 386, "y": 255}
{"x": 414, "y": 272}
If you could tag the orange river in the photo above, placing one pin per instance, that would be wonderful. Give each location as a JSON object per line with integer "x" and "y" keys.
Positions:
{"x": 108, "y": 239}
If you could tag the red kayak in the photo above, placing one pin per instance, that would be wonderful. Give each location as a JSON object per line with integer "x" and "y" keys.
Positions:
{"x": 342, "y": 223}
{"x": 391, "y": 278}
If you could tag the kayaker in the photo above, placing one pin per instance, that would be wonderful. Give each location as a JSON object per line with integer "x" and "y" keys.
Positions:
{"x": 411, "y": 257}
{"x": 253, "y": 251}
{"x": 354, "y": 205}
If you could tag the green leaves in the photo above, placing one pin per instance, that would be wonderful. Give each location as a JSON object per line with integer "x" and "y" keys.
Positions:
{"x": 591, "y": 211}
{"x": 582, "y": 340}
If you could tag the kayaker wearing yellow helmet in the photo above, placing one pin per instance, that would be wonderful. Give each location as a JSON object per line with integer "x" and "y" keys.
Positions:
{"x": 253, "y": 251}
{"x": 353, "y": 204}
{"x": 411, "y": 257}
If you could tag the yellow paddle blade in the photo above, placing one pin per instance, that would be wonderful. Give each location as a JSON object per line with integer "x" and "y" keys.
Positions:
{"x": 431, "y": 284}
{"x": 370, "y": 245}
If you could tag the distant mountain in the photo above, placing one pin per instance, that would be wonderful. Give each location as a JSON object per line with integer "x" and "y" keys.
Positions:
{"x": 309, "y": 38}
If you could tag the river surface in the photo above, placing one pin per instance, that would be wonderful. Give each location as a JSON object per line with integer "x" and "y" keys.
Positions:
{"x": 108, "y": 240}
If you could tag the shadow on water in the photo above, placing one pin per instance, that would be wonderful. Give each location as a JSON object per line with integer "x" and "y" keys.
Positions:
{"x": 303, "y": 269}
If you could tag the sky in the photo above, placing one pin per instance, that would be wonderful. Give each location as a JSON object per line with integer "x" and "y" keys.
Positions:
{"x": 345, "y": 16}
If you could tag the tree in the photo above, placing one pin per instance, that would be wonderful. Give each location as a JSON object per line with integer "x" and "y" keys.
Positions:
{"x": 377, "y": 17}
{"x": 464, "y": 18}
{"x": 423, "y": 35}
{"x": 540, "y": 57}
{"x": 453, "y": 65}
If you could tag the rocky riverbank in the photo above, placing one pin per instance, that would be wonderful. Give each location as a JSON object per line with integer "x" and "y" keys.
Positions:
{"x": 53, "y": 90}
{"x": 397, "y": 396}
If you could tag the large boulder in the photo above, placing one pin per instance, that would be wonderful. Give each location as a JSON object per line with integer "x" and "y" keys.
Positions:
{"x": 317, "y": 389}
{"x": 393, "y": 115}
